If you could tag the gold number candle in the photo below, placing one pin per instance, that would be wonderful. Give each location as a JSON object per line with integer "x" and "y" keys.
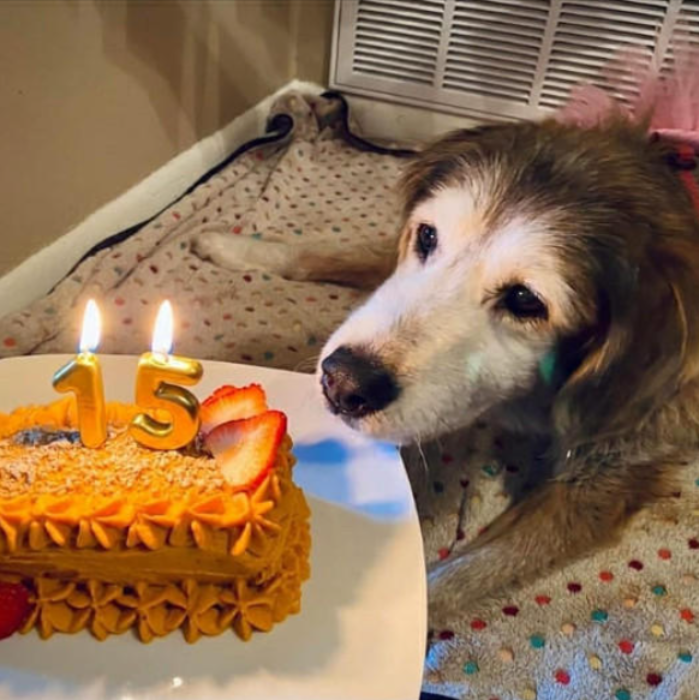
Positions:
{"x": 158, "y": 378}
{"x": 83, "y": 377}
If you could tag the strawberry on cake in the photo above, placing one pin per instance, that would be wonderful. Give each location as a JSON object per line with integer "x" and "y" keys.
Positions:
{"x": 205, "y": 539}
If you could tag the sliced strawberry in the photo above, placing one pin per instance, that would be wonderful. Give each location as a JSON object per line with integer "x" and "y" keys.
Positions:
{"x": 229, "y": 403}
{"x": 246, "y": 449}
{"x": 222, "y": 391}
{"x": 14, "y": 607}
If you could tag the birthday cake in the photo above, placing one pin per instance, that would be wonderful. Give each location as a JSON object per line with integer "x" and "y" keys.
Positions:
{"x": 204, "y": 539}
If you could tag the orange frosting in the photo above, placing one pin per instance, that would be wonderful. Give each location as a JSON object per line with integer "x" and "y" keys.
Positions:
{"x": 123, "y": 536}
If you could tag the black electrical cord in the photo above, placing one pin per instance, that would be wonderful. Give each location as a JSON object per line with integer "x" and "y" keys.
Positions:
{"x": 355, "y": 140}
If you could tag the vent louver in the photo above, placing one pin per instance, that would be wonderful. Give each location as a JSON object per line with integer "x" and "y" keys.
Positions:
{"x": 498, "y": 58}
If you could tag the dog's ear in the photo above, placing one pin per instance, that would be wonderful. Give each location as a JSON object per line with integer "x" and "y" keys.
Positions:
{"x": 644, "y": 348}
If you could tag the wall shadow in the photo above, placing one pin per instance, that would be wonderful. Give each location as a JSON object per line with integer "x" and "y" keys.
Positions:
{"x": 201, "y": 63}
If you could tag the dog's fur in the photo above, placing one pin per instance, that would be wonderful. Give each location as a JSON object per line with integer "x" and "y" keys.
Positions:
{"x": 596, "y": 223}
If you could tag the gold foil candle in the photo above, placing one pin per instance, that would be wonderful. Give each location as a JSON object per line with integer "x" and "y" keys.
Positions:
{"x": 83, "y": 377}
{"x": 158, "y": 378}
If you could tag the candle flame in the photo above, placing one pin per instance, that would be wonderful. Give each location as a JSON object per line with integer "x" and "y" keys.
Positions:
{"x": 90, "y": 336}
{"x": 162, "y": 343}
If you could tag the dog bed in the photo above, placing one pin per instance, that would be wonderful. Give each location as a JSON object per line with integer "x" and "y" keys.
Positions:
{"x": 620, "y": 624}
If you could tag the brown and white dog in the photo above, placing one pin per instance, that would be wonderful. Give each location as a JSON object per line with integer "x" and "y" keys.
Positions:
{"x": 546, "y": 274}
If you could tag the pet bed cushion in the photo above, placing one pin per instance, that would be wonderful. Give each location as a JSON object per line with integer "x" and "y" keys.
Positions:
{"x": 620, "y": 624}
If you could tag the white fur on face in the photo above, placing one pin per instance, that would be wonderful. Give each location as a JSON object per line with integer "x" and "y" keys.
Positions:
{"x": 434, "y": 324}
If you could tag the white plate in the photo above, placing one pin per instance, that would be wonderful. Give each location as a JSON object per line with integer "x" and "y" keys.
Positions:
{"x": 361, "y": 631}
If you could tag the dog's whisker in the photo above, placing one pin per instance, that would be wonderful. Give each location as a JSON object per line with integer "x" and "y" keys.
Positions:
{"x": 308, "y": 363}
{"x": 424, "y": 461}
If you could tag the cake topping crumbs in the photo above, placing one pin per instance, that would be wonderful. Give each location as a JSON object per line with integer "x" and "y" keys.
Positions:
{"x": 44, "y": 461}
{"x": 22, "y": 472}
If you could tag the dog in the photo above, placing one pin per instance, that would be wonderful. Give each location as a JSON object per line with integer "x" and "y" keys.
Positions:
{"x": 546, "y": 274}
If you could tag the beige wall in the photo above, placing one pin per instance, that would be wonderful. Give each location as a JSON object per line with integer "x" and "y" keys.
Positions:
{"x": 97, "y": 94}
{"x": 313, "y": 32}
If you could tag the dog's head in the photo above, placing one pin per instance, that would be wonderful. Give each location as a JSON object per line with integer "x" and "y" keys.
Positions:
{"x": 539, "y": 264}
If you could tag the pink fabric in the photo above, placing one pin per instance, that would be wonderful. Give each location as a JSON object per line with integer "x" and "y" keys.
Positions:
{"x": 670, "y": 101}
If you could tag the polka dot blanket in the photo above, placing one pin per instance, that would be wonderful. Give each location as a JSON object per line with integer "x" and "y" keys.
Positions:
{"x": 619, "y": 625}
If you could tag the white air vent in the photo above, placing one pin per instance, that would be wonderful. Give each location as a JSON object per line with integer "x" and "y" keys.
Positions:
{"x": 497, "y": 58}
{"x": 486, "y": 57}
{"x": 684, "y": 32}
{"x": 396, "y": 40}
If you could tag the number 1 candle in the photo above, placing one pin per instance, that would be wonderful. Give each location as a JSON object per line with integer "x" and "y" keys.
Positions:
{"x": 158, "y": 378}
{"x": 83, "y": 377}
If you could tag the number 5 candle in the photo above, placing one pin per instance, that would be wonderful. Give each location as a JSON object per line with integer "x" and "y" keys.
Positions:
{"x": 158, "y": 378}
{"x": 83, "y": 377}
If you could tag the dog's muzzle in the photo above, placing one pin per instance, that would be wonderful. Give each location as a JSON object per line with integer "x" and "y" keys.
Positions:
{"x": 356, "y": 384}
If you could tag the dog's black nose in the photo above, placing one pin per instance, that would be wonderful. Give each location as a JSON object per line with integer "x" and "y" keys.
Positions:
{"x": 356, "y": 384}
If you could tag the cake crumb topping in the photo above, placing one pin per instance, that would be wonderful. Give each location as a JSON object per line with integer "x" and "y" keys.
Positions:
{"x": 37, "y": 462}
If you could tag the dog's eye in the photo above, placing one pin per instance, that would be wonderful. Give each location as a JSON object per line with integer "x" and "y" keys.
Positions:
{"x": 426, "y": 240}
{"x": 523, "y": 302}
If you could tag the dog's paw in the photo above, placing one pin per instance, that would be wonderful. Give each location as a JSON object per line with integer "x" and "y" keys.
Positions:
{"x": 243, "y": 253}
{"x": 232, "y": 252}
{"x": 211, "y": 246}
{"x": 442, "y": 605}
{"x": 454, "y": 588}
{"x": 441, "y": 615}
